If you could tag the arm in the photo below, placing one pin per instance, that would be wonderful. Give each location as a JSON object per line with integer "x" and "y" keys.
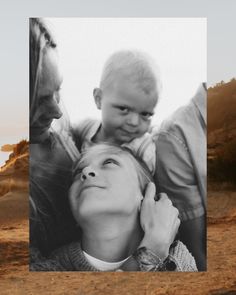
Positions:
{"x": 193, "y": 235}
{"x": 81, "y": 130}
{"x": 157, "y": 252}
{"x": 175, "y": 176}
{"x": 178, "y": 259}
{"x": 159, "y": 220}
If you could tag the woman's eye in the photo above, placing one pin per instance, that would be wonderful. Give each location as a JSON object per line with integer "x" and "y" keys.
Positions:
{"x": 77, "y": 173}
{"x": 44, "y": 98}
{"x": 110, "y": 161}
{"x": 48, "y": 99}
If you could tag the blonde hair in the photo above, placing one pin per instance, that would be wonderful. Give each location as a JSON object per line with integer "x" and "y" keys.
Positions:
{"x": 40, "y": 40}
{"x": 143, "y": 173}
{"x": 138, "y": 67}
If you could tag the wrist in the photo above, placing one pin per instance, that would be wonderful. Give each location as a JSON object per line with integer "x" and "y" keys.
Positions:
{"x": 160, "y": 249}
{"x": 149, "y": 261}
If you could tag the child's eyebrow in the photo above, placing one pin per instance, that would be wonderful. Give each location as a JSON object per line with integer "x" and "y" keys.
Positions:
{"x": 121, "y": 105}
{"x": 132, "y": 109}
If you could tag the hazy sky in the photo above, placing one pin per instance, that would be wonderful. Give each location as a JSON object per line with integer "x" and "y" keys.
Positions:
{"x": 178, "y": 45}
{"x": 14, "y": 16}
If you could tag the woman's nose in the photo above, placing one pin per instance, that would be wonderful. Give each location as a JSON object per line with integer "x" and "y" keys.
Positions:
{"x": 54, "y": 109}
{"x": 87, "y": 173}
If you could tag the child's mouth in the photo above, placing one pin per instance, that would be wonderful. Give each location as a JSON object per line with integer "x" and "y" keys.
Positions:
{"x": 129, "y": 133}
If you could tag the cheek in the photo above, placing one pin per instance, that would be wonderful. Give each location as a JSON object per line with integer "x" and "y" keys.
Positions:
{"x": 42, "y": 108}
{"x": 129, "y": 187}
{"x": 110, "y": 114}
{"x": 145, "y": 125}
{"x": 106, "y": 114}
{"x": 112, "y": 120}
{"x": 36, "y": 118}
{"x": 73, "y": 196}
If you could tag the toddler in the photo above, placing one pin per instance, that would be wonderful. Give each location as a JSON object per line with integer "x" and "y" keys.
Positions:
{"x": 127, "y": 96}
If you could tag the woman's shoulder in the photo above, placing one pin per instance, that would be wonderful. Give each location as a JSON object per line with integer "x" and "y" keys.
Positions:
{"x": 41, "y": 263}
{"x": 60, "y": 259}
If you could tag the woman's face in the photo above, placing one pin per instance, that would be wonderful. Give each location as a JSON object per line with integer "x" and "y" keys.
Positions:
{"x": 105, "y": 184}
{"x": 48, "y": 94}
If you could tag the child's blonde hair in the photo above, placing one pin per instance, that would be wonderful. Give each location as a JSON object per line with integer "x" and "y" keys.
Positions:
{"x": 137, "y": 67}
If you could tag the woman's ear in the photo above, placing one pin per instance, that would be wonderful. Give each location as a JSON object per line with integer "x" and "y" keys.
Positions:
{"x": 97, "y": 94}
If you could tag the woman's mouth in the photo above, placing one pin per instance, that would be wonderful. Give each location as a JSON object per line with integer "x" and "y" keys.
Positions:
{"x": 85, "y": 187}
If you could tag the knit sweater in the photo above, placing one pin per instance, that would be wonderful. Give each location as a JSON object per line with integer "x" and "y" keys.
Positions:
{"x": 71, "y": 258}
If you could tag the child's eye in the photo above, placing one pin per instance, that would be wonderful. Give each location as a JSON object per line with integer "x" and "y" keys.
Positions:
{"x": 123, "y": 109}
{"x": 146, "y": 115}
{"x": 110, "y": 161}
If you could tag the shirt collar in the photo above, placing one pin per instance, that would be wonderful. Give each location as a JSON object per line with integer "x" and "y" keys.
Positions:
{"x": 103, "y": 265}
{"x": 200, "y": 100}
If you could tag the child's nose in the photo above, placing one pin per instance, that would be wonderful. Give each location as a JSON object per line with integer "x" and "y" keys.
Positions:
{"x": 87, "y": 173}
{"x": 133, "y": 119}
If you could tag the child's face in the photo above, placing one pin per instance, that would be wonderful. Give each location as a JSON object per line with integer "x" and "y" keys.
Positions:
{"x": 126, "y": 111}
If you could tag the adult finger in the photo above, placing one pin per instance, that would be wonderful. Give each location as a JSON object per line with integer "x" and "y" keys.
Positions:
{"x": 175, "y": 211}
{"x": 163, "y": 197}
{"x": 150, "y": 192}
{"x": 178, "y": 222}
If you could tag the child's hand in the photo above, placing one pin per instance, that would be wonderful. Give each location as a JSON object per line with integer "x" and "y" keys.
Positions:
{"x": 160, "y": 222}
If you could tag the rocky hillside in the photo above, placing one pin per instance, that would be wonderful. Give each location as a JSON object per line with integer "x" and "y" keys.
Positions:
{"x": 222, "y": 106}
{"x": 14, "y": 174}
{"x": 222, "y": 131}
{"x": 7, "y": 147}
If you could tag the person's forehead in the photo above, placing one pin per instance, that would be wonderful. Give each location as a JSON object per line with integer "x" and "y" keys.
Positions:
{"x": 98, "y": 153}
{"x": 125, "y": 90}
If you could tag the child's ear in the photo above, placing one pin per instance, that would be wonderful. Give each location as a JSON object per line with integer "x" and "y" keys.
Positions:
{"x": 97, "y": 94}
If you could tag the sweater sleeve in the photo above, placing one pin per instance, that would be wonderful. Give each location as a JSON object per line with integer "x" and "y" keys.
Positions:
{"x": 182, "y": 257}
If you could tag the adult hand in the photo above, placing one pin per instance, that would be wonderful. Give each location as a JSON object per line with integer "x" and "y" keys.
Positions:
{"x": 159, "y": 221}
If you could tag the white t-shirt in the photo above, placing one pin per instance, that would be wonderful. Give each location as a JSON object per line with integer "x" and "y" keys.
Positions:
{"x": 103, "y": 265}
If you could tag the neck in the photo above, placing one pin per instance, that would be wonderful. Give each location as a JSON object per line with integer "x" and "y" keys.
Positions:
{"x": 101, "y": 136}
{"x": 112, "y": 241}
{"x": 38, "y": 138}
